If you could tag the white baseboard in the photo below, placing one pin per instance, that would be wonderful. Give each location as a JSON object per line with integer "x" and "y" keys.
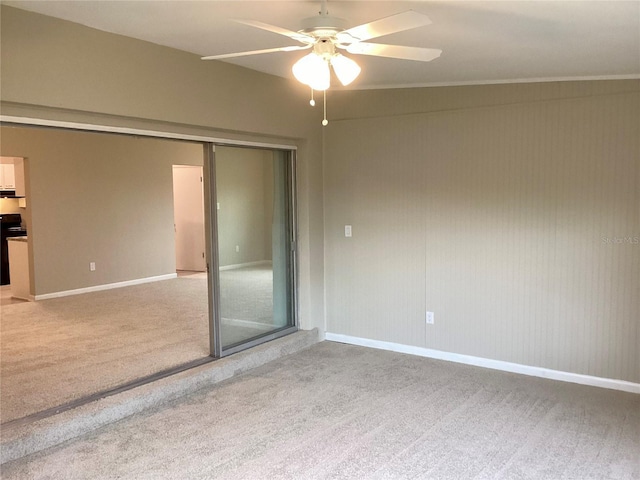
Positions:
{"x": 243, "y": 265}
{"x": 107, "y": 286}
{"x": 488, "y": 363}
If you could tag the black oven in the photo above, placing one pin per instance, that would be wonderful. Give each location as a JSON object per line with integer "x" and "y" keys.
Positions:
{"x": 10, "y": 226}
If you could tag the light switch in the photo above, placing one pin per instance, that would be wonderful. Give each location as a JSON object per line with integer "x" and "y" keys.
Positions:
{"x": 347, "y": 230}
{"x": 218, "y": 205}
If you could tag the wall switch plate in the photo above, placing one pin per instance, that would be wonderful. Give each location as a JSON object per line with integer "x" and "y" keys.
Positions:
{"x": 92, "y": 266}
{"x": 347, "y": 230}
{"x": 237, "y": 248}
{"x": 218, "y": 205}
{"x": 430, "y": 318}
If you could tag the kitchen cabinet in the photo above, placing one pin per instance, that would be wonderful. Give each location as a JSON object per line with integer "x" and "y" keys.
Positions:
{"x": 18, "y": 166}
{"x": 7, "y": 176}
{"x": 12, "y": 175}
{"x": 19, "y": 267}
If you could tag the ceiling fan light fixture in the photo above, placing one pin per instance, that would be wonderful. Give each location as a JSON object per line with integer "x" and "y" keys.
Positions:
{"x": 313, "y": 70}
{"x": 346, "y": 69}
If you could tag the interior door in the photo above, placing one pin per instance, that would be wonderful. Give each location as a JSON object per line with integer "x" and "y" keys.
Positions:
{"x": 188, "y": 207}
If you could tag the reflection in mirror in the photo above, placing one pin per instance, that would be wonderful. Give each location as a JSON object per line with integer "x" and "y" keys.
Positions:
{"x": 102, "y": 234}
{"x": 254, "y": 250}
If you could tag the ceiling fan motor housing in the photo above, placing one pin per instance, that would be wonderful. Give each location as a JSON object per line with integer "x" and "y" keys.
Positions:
{"x": 323, "y": 26}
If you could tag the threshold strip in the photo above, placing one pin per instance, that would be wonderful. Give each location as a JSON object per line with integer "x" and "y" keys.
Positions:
{"x": 50, "y": 412}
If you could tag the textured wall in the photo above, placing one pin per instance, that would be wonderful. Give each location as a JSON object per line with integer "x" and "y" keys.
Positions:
{"x": 517, "y": 223}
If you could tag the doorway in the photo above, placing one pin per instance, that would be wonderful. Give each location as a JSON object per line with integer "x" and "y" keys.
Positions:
{"x": 188, "y": 214}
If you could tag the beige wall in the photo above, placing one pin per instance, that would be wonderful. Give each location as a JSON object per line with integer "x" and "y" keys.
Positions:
{"x": 487, "y": 205}
{"x": 53, "y": 69}
{"x": 498, "y": 212}
{"x": 244, "y": 183}
{"x": 98, "y": 198}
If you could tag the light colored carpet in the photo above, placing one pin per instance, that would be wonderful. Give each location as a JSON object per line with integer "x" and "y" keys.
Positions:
{"x": 246, "y": 305}
{"x": 6, "y": 298}
{"x": 58, "y": 350}
{"x": 247, "y": 294}
{"x": 338, "y": 411}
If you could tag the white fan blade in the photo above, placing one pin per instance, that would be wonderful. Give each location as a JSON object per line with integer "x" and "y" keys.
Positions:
{"x": 385, "y": 26}
{"x": 300, "y": 37}
{"x": 256, "y": 52}
{"x": 394, "y": 51}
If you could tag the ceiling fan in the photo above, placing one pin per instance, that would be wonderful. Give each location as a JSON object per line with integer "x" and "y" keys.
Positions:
{"x": 326, "y": 35}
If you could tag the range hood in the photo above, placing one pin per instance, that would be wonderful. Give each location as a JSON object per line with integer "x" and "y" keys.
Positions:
{"x": 9, "y": 194}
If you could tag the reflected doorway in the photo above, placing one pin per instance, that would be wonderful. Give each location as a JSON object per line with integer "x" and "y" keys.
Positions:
{"x": 188, "y": 215}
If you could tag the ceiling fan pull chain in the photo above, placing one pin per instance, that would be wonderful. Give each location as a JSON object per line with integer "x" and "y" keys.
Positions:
{"x": 312, "y": 102}
{"x": 325, "y": 122}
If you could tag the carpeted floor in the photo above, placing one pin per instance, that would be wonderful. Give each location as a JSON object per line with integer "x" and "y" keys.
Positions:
{"x": 339, "y": 411}
{"x": 55, "y": 351}
{"x": 247, "y": 294}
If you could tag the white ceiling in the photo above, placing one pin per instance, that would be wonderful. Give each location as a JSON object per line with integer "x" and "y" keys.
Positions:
{"x": 482, "y": 41}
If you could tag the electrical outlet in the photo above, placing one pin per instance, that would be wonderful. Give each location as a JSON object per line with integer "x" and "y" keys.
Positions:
{"x": 430, "y": 318}
{"x": 92, "y": 266}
